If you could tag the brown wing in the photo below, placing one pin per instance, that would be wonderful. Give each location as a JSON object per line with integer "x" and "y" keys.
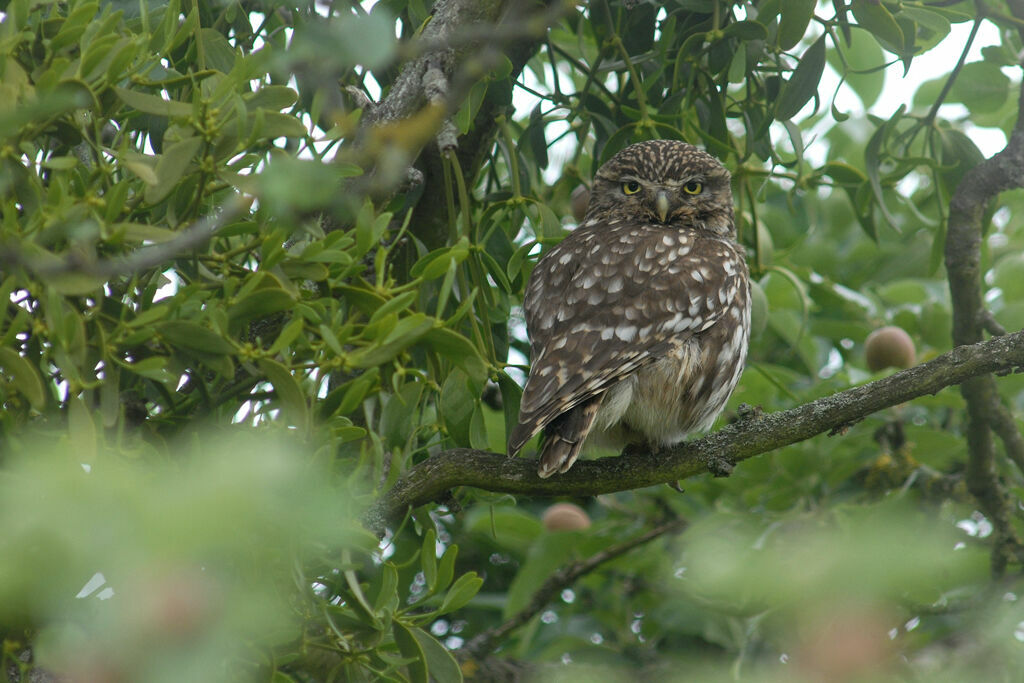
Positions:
{"x": 609, "y": 300}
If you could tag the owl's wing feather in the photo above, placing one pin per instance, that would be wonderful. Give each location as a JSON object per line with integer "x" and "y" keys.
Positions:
{"x": 608, "y": 301}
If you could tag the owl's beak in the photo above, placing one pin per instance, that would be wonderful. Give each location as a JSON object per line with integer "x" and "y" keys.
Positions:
{"x": 662, "y": 204}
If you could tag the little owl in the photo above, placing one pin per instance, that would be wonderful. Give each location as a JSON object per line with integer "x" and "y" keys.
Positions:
{"x": 638, "y": 320}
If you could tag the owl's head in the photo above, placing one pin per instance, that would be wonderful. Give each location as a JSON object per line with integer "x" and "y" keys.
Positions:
{"x": 664, "y": 182}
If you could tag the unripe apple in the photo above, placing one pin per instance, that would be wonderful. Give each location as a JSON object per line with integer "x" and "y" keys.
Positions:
{"x": 565, "y": 517}
{"x": 889, "y": 347}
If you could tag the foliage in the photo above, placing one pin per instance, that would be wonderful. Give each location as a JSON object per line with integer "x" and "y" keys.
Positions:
{"x": 231, "y": 303}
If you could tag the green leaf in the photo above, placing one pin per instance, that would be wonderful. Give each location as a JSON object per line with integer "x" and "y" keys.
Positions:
{"x": 875, "y": 18}
{"x": 304, "y": 270}
{"x": 872, "y": 164}
{"x": 981, "y": 86}
{"x": 511, "y": 395}
{"x": 803, "y": 83}
{"x": 152, "y": 104}
{"x": 288, "y": 334}
{"x": 272, "y": 124}
{"x": 495, "y": 271}
{"x": 932, "y": 27}
{"x": 458, "y": 403}
{"x": 217, "y": 52}
{"x": 272, "y": 97}
{"x": 289, "y": 392}
{"x": 75, "y": 283}
{"x": 143, "y": 232}
{"x": 24, "y": 376}
{"x": 150, "y": 315}
{"x": 436, "y": 263}
{"x": 406, "y": 333}
{"x": 446, "y": 567}
{"x": 190, "y": 335}
{"x": 747, "y": 30}
{"x": 465, "y": 587}
{"x": 356, "y": 392}
{"x": 60, "y": 163}
{"x": 387, "y": 594}
{"x": 154, "y": 368}
{"x": 843, "y": 173}
{"x": 260, "y": 303}
{"x": 74, "y": 26}
{"x": 327, "y": 334}
{"x": 796, "y": 15}
{"x": 466, "y": 114}
{"x": 170, "y": 167}
{"x": 458, "y": 349}
{"x": 409, "y": 645}
{"x": 395, "y": 305}
{"x": 533, "y": 138}
{"x": 142, "y": 166}
{"x": 440, "y": 662}
{"x": 428, "y": 559}
{"x": 397, "y": 422}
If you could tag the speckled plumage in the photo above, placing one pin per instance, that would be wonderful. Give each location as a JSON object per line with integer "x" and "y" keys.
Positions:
{"x": 639, "y": 319}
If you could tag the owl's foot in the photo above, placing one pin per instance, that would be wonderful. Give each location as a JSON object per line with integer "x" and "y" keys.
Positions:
{"x": 719, "y": 467}
{"x": 745, "y": 411}
{"x": 641, "y": 448}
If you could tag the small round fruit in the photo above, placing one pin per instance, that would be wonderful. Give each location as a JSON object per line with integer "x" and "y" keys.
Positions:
{"x": 580, "y": 200}
{"x": 889, "y": 347}
{"x": 565, "y": 517}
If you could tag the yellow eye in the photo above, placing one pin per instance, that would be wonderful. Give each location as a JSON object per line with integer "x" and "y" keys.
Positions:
{"x": 693, "y": 187}
{"x": 631, "y": 187}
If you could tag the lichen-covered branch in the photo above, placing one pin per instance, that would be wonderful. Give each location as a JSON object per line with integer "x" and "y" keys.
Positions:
{"x": 460, "y": 43}
{"x": 985, "y": 412}
{"x": 717, "y": 452}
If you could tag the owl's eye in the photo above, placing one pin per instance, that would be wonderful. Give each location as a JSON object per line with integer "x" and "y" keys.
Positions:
{"x": 630, "y": 187}
{"x": 693, "y": 187}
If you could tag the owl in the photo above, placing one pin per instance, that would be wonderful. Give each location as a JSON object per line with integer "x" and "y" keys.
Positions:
{"x": 639, "y": 319}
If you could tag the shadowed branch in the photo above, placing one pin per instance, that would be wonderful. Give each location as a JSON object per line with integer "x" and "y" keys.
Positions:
{"x": 485, "y": 642}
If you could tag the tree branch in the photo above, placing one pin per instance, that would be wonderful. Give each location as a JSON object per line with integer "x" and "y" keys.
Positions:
{"x": 717, "y": 452}
{"x": 463, "y": 39}
{"x": 485, "y": 642}
{"x": 985, "y": 411}
{"x": 192, "y": 237}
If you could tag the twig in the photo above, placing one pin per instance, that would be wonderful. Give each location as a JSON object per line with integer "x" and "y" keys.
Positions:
{"x": 483, "y": 643}
{"x": 990, "y": 324}
{"x": 141, "y": 259}
{"x": 428, "y": 480}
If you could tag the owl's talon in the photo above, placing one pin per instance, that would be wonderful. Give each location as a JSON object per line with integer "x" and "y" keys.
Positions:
{"x": 719, "y": 467}
{"x": 676, "y": 486}
{"x": 639, "y": 449}
{"x": 631, "y": 449}
{"x": 745, "y": 411}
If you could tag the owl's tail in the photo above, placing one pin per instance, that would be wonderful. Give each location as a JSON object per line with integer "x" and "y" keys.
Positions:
{"x": 564, "y": 437}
